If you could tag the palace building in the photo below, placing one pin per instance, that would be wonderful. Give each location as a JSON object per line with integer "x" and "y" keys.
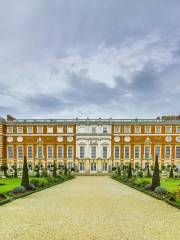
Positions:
{"x": 89, "y": 145}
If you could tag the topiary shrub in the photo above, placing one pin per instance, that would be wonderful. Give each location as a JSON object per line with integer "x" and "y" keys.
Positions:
{"x": 32, "y": 187}
{"x": 148, "y": 187}
{"x": 160, "y": 190}
{"x": 19, "y": 189}
{"x": 156, "y": 176}
{"x": 25, "y": 175}
{"x": 34, "y": 182}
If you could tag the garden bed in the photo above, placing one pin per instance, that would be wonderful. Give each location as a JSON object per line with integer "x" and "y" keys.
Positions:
{"x": 43, "y": 184}
{"x": 139, "y": 187}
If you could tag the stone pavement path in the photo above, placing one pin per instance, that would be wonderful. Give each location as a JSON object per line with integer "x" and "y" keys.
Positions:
{"x": 89, "y": 208}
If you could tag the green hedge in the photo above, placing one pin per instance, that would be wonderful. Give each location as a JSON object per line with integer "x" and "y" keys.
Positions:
{"x": 141, "y": 189}
{"x": 10, "y": 196}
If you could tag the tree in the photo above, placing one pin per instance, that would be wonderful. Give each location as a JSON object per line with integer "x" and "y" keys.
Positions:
{"x": 119, "y": 171}
{"x": 148, "y": 171}
{"x": 156, "y": 177}
{"x": 25, "y": 175}
{"x": 4, "y": 168}
{"x": 54, "y": 170}
{"x": 15, "y": 170}
{"x": 129, "y": 171}
{"x": 171, "y": 174}
{"x": 37, "y": 171}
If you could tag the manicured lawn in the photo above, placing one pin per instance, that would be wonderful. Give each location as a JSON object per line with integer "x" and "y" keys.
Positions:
{"x": 10, "y": 183}
{"x": 168, "y": 183}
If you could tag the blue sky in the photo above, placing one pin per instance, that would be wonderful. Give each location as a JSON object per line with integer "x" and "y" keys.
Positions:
{"x": 81, "y": 58}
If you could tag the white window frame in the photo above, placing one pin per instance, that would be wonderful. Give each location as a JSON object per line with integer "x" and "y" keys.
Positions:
{"x": 125, "y": 152}
{"x": 145, "y": 129}
{"x": 28, "y": 128}
{"x": 155, "y": 146}
{"x": 50, "y": 157}
{"x": 93, "y": 147}
{"x": 127, "y": 129}
{"x": 170, "y": 152}
{"x": 156, "y": 127}
{"x": 105, "y": 129}
{"x": 105, "y": 157}
{"x": 177, "y": 127}
{"x": 60, "y": 146}
{"x": 10, "y": 146}
{"x": 166, "y": 127}
{"x": 28, "y": 151}
{"x": 60, "y": 129}
{"x": 69, "y": 157}
{"x": 19, "y": 130}
{"x": 117, "y": 129}
{"x": 119, "y": 156}
{"x": 19, "y": 146}
{"x": 136, "y": 129}
{"x": 9, "y": 130}
{"x": 177, "y": 146}
{"x": 69, "y": 129}
{"x": 38, "y": 152}
{"x": 93, "y": 129}
{"x": 80, "y": 156}
{"x": 42, "y": 129}
{"x": 139, "y": 146}
{"x": 147, "y": 146}
{"x": 50, "y": 129}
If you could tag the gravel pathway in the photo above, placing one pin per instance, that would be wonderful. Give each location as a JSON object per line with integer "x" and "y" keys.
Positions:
{"x": 89, "y": 208}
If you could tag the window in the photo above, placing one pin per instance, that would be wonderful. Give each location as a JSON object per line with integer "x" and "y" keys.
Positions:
{"x": 9, "y": 129}
{"x": 93, "y": 129}
{"x": 93, "y": 166}
{"x": 10, "y": 152}
{"x": 59, "y": 129}
{"x": 29, "y": 129}
{"x": 127, "y": 152}
{"x": 104, "y": 152}
{"x": 104, "y": 167}
{"x": 147, "y": 129}
{"x": 70, "y": 152}
{"x": 178, "y": 129}
{"x": 39, "y": 129}
{"x": 60, "y": 152}
{"x": 30, "y": 151}
{"x": 157, "y": 151}
{"x": 20, "y": 152}
{"x": 116, "y": 129}
{"x": 116, "y": 152}
{"x": 104, "y": 129}
{"x": 137, "y": 129}
{"x": 50, "y": 152}
{"x": 168, "y": 152}
{"x": 177, "y": 151}
{"x": 19, "y": 129}
{"x": 82, "y": 151}
{"x": 93, "y": 152}
{"x": 127, "y": 130}
{"x": 157, "y": 129}
{"x": 136, "y": 152}
{"x": 40, "y": 152}
{"x": 147, "y": 152}
{"x": 81, "y": 167}
{"x": 69, "y": 129}
{"x": 49, "y": 129}
{"x": 168, "y": 129}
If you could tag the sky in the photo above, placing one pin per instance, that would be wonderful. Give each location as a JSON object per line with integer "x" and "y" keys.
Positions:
{"x": 89, "y": 58}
